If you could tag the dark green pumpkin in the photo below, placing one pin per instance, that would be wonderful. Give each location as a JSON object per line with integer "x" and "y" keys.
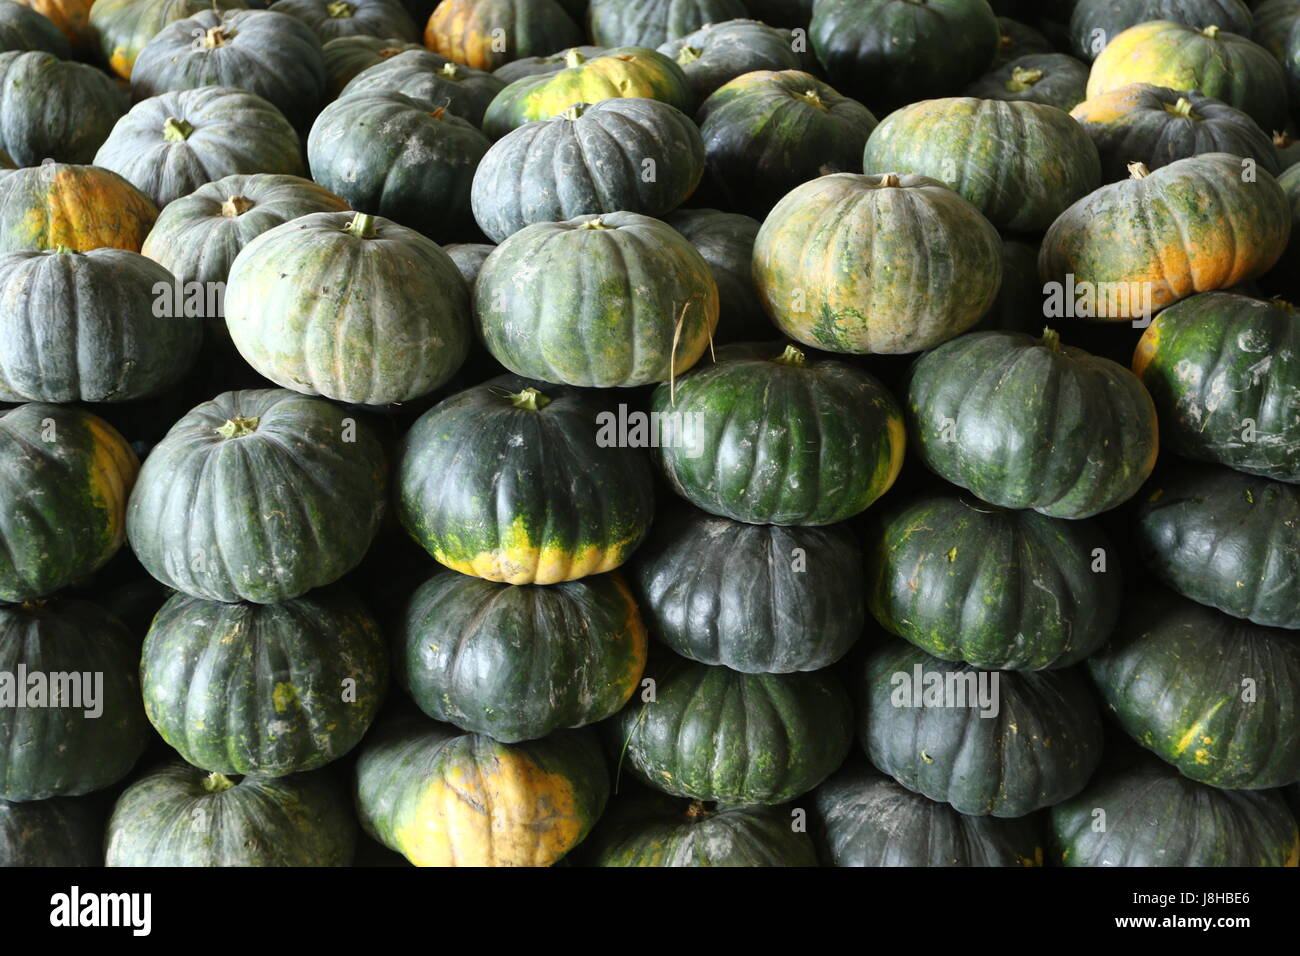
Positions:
{"x": 726, "y": 241}
{"x": 721, "y": 51}
{"x": 922, "y": 721}
{"x": 1273, "y": 30}
{"x": 74, "y": 737}
{"x": 426, "y": 76}
{"x": 1094, "y": 23}
{"x": 345, "y": 57}
{"x": 22, "y": 28}
{"x": 60, "y": 831}
{"x": 178, "y": 815}
{"x": 1052, "y": 79}
{"x": 259, "y": 496}
{"x": 1017, "y": 39}
{"x": 649, "y": 23}
{"x": 1211, "y": 694}
{"x": 330, "y": 19}
{"x": 633, "y": 155}
{"x": 123, "y": 27}
{"x": 469, "y": 258}
{"x": 507, "y": 481}
{"x": 54, "y": 109}
{"x": 769, "y": 437}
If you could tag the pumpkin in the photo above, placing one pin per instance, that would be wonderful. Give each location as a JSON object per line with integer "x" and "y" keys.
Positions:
{"x": 122, "y": 28}
{"x": 719, "y": 52}
{"x": 445, "y": 798}
{"x": 726, "y": 241}
{"x": 22, "y": 28}
{"x": 509, "y": 481}
{"x": 1285, "y": 272}
{"x": 1016, "y": 39}
{"x": 1214, "y": 62}
{"x": 1052, "y": 79}
{"x": 259, "y": 495}
{"x": 330, "y": 19}
{"x": 81, "y": 207}
{"x": 1288, "y": 151}
{"x": 632, "y": 155}
{"x": 390, "y": 155}
{"x": 469, "y": 258}
{"x": 178, "y": 815}
{"x": 64, "y": 480}
{"x": 891, "y": 52}
{"x": 649, "y": 23}
{"x": 866, "y": 819}
{"x": 55, "y": 109}
{"x": 652, "y": 319}
{"x": 1211, "y": 694}
{"x": 71, "y": 18}
{"x": 1000, "y": 743}
{"x": 429, "y": 77}
{"x": 349, "y": 306}
{"x": 87, "y": 327}
{"x": 1273, "y": 20}
{"x": 60, "y": 831}
{"x": 1094, "y": 23}
{"x": 543, "y": 65}
{"x": 486, "y": 34}
{"x": 60, "y": 737}
{"x": 516, "y": 662}
{"x": 766, "y": 133}
{"x": 768, "y": 437}
{"x": 890, "y": 263}
{"x": 1224, "y": 370}
{"x": 345, "y": 57}
{"x": 714, "y": 734}
{"x": 619, "y": 72}
{"x": 1154, "y": 816}
{"x": 1148, "y": 241}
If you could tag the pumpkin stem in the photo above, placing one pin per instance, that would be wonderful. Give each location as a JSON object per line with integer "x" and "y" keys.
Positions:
{"x": 236, "y": 206}
{"x": 217, "y": 783}
{"x": 362, "y": 225}
{"x": 238, "y": 427}
{"x": 1282, "y": 139}
{"x": 1281, "y": 303}
{"x": 1022, "y": 79}
{"x": 1138, "y": 171}
{"x": 450, "y": 70}
{"x": 438, "y": 113}
{"x": 1182, "y": 108}
{"x": 596, "y": 223}
{"x": 35, "y": 604}
{"x": 1211, "y": 31}
{"x": 1052, "y": 340}
{"x": 63, "y": 250}
{"x": 339, "y": 9}
{"x": 574, "y": 111}
{"x": 889, "y": 181}
{"x": 573, "y": 58}
{"x": 688, "y": 54}
{"x": 530, "y": 399}
{"x": 216, "y": 36}
{"x": 791, "y": 356}
{"x": 388, "y": 52}
{"x": 1006, "y": 41}
{"x": 813, "y": 98}
{"x": 697, "y": 810}
{"x": 176, "y": 130}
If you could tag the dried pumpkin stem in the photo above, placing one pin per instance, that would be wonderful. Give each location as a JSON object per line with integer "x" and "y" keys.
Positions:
{"x": 217, "y": 783}
{"x": 530, "y": 399}
{"x": 573, "y": 58}
{"x": 1022, "y": 79}
{"x": 238, "y": 427}
{"x": 236, "y": 206}
{"x": 791, "y": 356}
{"x": 176, "y": 130}
{"x": 1138, "y": 171}
{"x": 362, "y": 225}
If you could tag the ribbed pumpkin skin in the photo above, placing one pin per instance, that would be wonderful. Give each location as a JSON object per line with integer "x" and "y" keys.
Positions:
{"x": 652, "y": 22}
{"x": 345, "y": 57}
{"x": 518, "y": 662}
{"x": 55, "y": 832}
{"x": 469, "y": 258}
{"x": 71, "y": 18}
{"x": 1030, "y": 423}
{"x": 464, "y": 30}
{"x": 742, "y": 740}
{"x": 443, "y": 798}
{"x": 330, "y": 19}
{"x": 767, "y": 132}
{"x": 1225, "y": 539}
{"x": 597, "y": 301}
{"x": 866, "y": 264}
{"x": 81, "y": 207}
{"x": 632, "y": 155}
{"x": 122, "y": 28}
{"x": 1002, "y": 590}
{"x": 518, "y": 495}
{"x": 427, "y": 76}
{"x": 755, "y": 598}
{"x": 330, "y": 304}
{"x": 1224, "y": 368}
{"x": 1094, "y": 23}
{"x": 726, "y": 241}
{"x": 82, "y": 470}
{"x": 544, "y": 65}
{"x": 404, "y": 159}
{"x": 263, "y": 516}
{"x": 22, "y": 28}
{"x": 263, "y": 689}
{"x": 866, "y": 819}
{"x": 1018, "y": 39}
{"x": 1052, "y": 79}
{"x": 1174, "y": 675}
{"x": 1157, "y": 817}
{"x": 57, "y": 750}
{"x": 719, "y": 52}
{"x": 1040, "y": 747}
{"x": 178, "y": 815}
{"x": 54, "y": 109}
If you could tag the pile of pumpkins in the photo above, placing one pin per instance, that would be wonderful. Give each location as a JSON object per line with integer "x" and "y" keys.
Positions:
{"x": 649, "y": 432}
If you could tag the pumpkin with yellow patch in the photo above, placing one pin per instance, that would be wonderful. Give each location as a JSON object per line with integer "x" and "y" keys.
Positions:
{"x": 80, "y": 207}
{"x": 486, "y": 34}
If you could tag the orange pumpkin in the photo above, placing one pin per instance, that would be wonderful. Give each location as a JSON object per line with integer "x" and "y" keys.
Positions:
{"x": 81, "y": 207}
{"x": 486, "y": 34}
{"x": 70, "y": 16}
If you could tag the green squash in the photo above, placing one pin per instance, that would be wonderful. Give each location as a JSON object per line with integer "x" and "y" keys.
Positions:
{"x": 1210, "y": 694}
{"x": 597, "y": 301}
{"x": 1094, "y": 23}
{"x": 81, "y": 207}
{"x": 543, "y": 65}
{"x": 178, "y": 815}
{"x": 331, "y": 19}
{"x": 60, "y": 831}
{"x": 54, "y": 109}
{"x": 259, "y": 496}
{"x": 123, "y": 27}
{"x": 876, "y": 264}
{"x": 632, "y": 155}
{"x": 469, "y": 258}
{"x": 1052, "y": 79}
{"x": 64, "y": 480}
{"x": 23, "y": 29}
{"x": 345, "y": 57}
{"x": 726, "y": 241}
{"x": 426, "y": 76}
{"x": 769, "y": 437}
{"x": 509, "y": 481}
{"x": 66, "y": 737}
{"x": 1018, "y": 39}
{"x": 721, "y": 51}
{"x": 349, "y": 306}
{"x": 1274, "y": 31}
{"x": 1000, "y": 743}
{"x": 649, "y": 23}
{"x": 487, "y": 34}
{"x": 1287, "y": 269}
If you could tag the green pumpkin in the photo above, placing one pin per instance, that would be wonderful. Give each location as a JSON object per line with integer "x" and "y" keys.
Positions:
{"x": 1018, "y": 39}
{"x": 54, "y": 109}
{"x": 508, "y": 481}
{"x": 345, "y": 57}
{"x": 1000, "y": 743}
{"x": 543, "y": 65}
{"x": 443, "y": 798}
{"x": 632, "y": 155}
{"x": 1094, "y": 23}
{"x": 259, "y": 496}
{"x": 61, "y": 739}
{"x": 123, "y": 27}
{"x": 487, "y": 34}
{"x": 726, "y": 241}
{"x": 64, "y": 480}
{"x": 1287, "y": 268}
{"x": 23, "y": 29}
{"x": 721, "y": 51}
{"x": 426, "y": 76}
{"x": 60, "y": 831}
{"x": 1052, "y": 79}
{"x": 1273, "y": 30}
{"x": 1210, "y": 694}
{"x": 714, "y": 734}
{"x": 597, "y": 301}
{"x": 349, "y": 306}
{"x": 469, "y": 258}
{"x": 331, "y": 19}
{"x": 178, "y": 815}
{"x": 649, "y": 23}
{"x": 873, "y": 264}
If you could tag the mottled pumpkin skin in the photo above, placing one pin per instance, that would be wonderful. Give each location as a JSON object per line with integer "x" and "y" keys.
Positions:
{"x": 263, "y": 689}
{"x": 719, "y": 52}
{"x": 465, "y": 30}
{"x": 1040, "y": 747}
{"x": 445, "y": 798}
{"x": 30, "y": 25}
{"x": 521, "y": 495}
{"x": 81, "y": 207}
{"x": 867, "y": 264}
{"x": 55, "y": 750}
{"x": 1157, "y": 817}
{"x": 1052, "y": 79}
{"x": 1175, "y": 676}
{"x": 54, "y": 109}
{"x": 178, "y": 815}
{"x": 345, "y": 57}
{"x": 866, "y": 819}
{"x": 726, "y": 241}
{"x": 652, "y": 22}
{"x": 330, "y": 19}
{"x": 469, "y": 258}
{"x": 543, "y": 65}
{"x": 1020, "y": 164}
{"x": 287, "y": 503}
{"x": 60, "y": 831}
{"x": 517, "y": 662}
{"x": 1224, "y": 370}
{"x": 1094, "y": 23}
{"x": 83, "y": 470}
{"x": 427, "y": 76}
{"x": 122, "y": 27}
